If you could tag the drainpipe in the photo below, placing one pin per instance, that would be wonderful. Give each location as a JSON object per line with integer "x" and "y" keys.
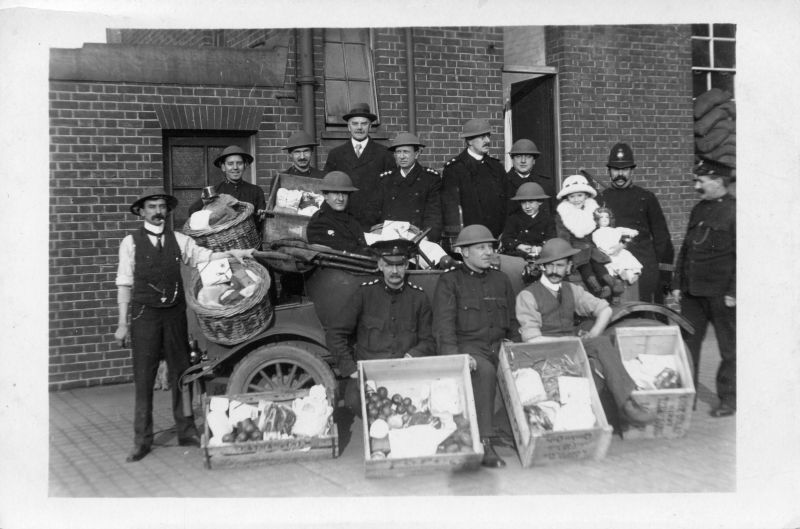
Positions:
{"x": 412, "y": 100}
{"x": 306, "y": 82}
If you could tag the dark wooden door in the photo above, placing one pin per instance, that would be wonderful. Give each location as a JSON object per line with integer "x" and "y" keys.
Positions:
{"x": 533, "y": 116}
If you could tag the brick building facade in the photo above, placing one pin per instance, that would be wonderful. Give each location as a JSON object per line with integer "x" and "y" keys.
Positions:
{"x": 109, "y": 130}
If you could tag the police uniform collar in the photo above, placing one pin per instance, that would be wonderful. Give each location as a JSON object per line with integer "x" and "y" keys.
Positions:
{"x": 473, "y": 273}
{"x": 404, "y": 174}
{"x": 478, "y": 157}
{"x": 391, "y": 290}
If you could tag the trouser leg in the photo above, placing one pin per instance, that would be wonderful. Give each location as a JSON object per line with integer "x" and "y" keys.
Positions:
{"x": 484, "y": 387}
{"x": 724, "y": 321}
{"x": 146, "y": 350}
{"x": 617, "y": 380}
{"x": 352, "y": 396}
{"x": 176, "y": 352}
{"x": 695, "y": 310}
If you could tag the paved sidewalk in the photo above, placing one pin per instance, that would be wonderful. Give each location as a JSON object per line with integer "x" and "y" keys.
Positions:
{"x": 91, "y": 432}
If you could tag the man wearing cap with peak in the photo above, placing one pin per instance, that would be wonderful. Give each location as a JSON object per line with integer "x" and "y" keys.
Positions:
{"x": 333, "y": 225}
{"x": 149, "y": 284}
{"x": 638, "y": 209}
{"x": 234, "y": 161}
{"x": 363, "y": 160}
{"x": 473, "y": 312}
{"x": 390, "y": 316}
{"x": 523, "y": 159}
{"x": 705, "y": 275}
{"x": 410, "y": 192}
{"x": 301, "y": 150}
{"x": 474, "y": 188}
{"x": 548, "y": 308}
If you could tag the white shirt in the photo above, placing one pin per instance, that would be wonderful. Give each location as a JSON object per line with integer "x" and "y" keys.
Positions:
{"x": 478, "y": 157}
{"x": 405, "y": 173}
{"x": 363, "y": 144}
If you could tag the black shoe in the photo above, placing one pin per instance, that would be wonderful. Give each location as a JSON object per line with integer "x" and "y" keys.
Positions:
{"x": 636, "y": 414}
{"x": 192, "y": 440}
{"x": 490, "y": 457}
{"x": 725, "y": 409}
{"x": 137, "y": 454}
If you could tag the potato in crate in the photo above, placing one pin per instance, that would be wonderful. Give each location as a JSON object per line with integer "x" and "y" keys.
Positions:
{"x": 292, "y": 200}
{"x": 552, "y": 401}
{"x": 419, "y": 415}
{"x": 656, "y": 359}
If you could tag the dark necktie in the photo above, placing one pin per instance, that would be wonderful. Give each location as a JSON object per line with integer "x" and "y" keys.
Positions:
{"x": 158, "y": 236}
{"x": 558, "y": 295}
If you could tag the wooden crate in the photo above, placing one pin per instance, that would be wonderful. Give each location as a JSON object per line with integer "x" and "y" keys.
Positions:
{"x": 280, "y": 225}
{"x": 400, "y": 375}
{"x": 540, "y": 448}
{"x": 673, "y": 407}
{"x": 274, "y": 450}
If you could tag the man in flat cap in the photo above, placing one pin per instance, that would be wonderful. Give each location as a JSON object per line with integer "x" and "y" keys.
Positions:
{"x": 523, "y": 159}
{"x": 362, "y": 159}
{"x": 474, "y": 189}
{"x": 411, "y": 192}
{"x": 301, "y": 150}
{"x": 390, "y": 317}
{"x": 233, "y": 162}
{"x": 638, "y": 209}
{"x": 705, "y": 275}
{"x": 149, "y": 284}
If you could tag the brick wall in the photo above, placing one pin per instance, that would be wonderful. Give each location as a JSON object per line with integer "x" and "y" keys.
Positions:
{"x": 629, "y": 84}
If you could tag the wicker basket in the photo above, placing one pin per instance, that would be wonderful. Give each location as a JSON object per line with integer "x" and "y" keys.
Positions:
{"x": 237, "y": 323}
{"x": 238, "y": 233}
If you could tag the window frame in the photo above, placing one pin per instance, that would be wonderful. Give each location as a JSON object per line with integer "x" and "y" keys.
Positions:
{"x": 707, "y": 71}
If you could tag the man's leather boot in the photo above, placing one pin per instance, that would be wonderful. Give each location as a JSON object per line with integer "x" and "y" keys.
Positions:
{"x": 490, "y": 457}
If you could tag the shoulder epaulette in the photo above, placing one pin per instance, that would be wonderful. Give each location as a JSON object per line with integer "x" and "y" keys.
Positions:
{"x": 385, "y": 173}
{"x": 450, "y": 162}
{"x": 434, "y": 171}
{"x": 493, "y": 267}
{"x": 412, "y": 285}
{"x": 367, "y": 283}
{"x": 451, "y": 269}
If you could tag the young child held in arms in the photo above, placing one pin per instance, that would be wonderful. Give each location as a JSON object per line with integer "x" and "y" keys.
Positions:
{"x": 611, "y": 241}
{"x": 575, "y": 223}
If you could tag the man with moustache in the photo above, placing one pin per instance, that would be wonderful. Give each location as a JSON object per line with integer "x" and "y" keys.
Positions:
{"x": 233, "y": 162}
{"x": 149, "y": 283}
{"x": 362, "y": 159}
{"x": 300, "y": 148}
{"x": 411, "y": 192}
{"x": 523, "y": 159}
{"x": 548, "y": 308}
{"x": 638, "y": 209}
{"x": 474, "y": 188}
{"x": 705, "y": 275}
{"x": 390, "y": 316}
{"x": 333, "y": 225}
{"x": 473, "y": 312}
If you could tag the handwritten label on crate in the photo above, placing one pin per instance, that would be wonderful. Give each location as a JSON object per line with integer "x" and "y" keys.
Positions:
{"x": 272, "y": 445}
{"x": 566, "y": 445}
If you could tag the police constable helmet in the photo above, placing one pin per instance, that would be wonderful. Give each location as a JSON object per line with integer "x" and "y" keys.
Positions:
{"x": 231, "y": 150}
{"x": 405, "y": 138}
{"x": 524, "y": 146}
{"x": 300, "y": 139}
{"x": 393, "y": 251}
{"x": 473, "y": 234}
{"x": 530, "y": 191}
{"x": 555, "y": 249}
{"x": 154, "y": 193}
{"x": 337, "y": 182}
{"x": 476, "y": 127}
{"x": 621, "y": 157}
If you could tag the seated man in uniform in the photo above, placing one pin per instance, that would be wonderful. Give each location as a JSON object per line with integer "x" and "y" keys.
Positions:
{"x": 548, "y": 307}
{"x": 473, "y": 312}
{"x": 333, "y": 225}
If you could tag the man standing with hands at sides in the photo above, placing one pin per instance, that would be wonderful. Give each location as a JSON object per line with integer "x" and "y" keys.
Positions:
{"x": 638, "y": 209}
{"x": 149, "y": 284}
{"x": 705, "y": 275}
{"x": 362, "y": 159}
{"x": 474, "y": 187}
{"x": 473, "y": 312}
{"x": 301, "y": 149}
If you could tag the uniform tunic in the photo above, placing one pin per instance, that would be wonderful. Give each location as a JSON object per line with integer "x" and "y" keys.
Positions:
{"x": 705, "y": 273}
{"x": 312, "y": 172}
{"x": 638, "y": 209}
{"x": 473, "y": 312}
{"x": 337, "y": 229}
{"x": 388, "y": 324}
{"x": 414, "y": 198}
{"x": 521, "y": 228}
{"x": 363, "y": 172}
{"x": 479, "y": 188}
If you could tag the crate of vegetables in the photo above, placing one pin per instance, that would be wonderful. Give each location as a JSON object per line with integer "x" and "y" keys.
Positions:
{"x": 656, "y": 359}
{"x": 552, "y": 402}
{"x": 268, "y": 426}
{"x": 419, "y": 416}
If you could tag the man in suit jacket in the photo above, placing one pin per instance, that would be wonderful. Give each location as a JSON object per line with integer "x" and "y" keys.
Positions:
{"x": 363, "y": 160}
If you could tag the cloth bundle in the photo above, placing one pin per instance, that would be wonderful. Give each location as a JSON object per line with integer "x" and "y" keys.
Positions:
{"x": 651, "y": 371}
{"x": 225, "y": 283}
{"x": 216, "y": 211}
{"x": 715, "y": 126}
{"x": 297, "y": 202}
